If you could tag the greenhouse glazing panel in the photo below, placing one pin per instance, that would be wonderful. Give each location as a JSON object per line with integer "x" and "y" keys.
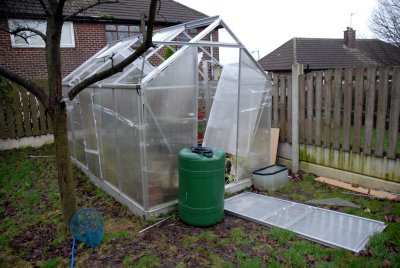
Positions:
{"x": 105, "y": 122}
{"x": 77, "y": 132}
{"x": 88, "y": 124}
{"x": 253, "y": 120}
{"x": 321, "y": 225}
{"x": 128, "y": 143}
{"x": 222, "y": 122}
{"x": 170, "y": 115}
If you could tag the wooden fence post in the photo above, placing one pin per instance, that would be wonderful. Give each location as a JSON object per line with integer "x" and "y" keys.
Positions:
{"x": 297, "y": 69}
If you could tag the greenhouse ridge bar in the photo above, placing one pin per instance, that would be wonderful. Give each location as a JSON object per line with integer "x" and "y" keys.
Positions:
{"x": 126, "y": 131}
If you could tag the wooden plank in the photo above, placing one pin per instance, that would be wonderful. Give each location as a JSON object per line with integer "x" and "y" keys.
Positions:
{"x": 381, "y": 111}
{"x": 358, "y": 109}
{"x": 275, "y": 103}
{"x": 274, "y": 145}
{"x": 289, "y": 108}
{"x": 347, "y": 94}
{"x": 310, "y": 108}
{"x": 394, "y": 114}
{"x": 337, "y": 93}
{"x": 359, "y": 189}
{"x": 302, "y": 107}
{"x": 282, "y": 109}
{"x": 34, "y": 117}
{"x": 369, "y": 110}
{"x": 49, "y": 124}
{"x": 327, "y": 92}
{"x": 3, "y": 123}
{"x": 318, "y": 108}
{"x": 26, "y": 111}
{"x": 42, "y": 120}
{"x": 17, "y": 113}
{"x": 10, "y": 116}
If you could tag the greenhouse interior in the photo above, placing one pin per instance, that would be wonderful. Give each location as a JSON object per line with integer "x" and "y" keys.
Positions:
{"x": 126, "y": 131}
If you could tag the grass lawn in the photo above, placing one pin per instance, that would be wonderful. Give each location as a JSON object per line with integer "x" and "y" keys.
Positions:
{"x": 31, "y": 232}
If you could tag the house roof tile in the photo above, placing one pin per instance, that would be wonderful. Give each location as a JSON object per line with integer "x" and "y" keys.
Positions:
{"x": 324, "y": 53}
{"x": 170, "y": 12}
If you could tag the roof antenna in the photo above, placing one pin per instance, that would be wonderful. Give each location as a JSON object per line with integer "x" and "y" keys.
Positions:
{"x": 351, "y": 17}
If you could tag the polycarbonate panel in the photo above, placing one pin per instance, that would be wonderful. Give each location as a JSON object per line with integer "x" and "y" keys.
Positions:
{"x": 167, "y": 34}
{"x": 170, "y": 115}
{"x": 222, "y": 123}
{"x": 128, "y": 143}
{"x": 254, "y": 118}
{"x": 77, "y": 73}
{"x": 88, "y": 124}
{"x": 134, "y": 73}
{"x": 110, "y": 55}
{"x": 255, "y": 206}
{"x": 105, "y": 122}
{"x": 320, "y": 225}
{"x": 77, "y": 132}
{"x": 338, "y": 229}
{"x": 287, "y": 215}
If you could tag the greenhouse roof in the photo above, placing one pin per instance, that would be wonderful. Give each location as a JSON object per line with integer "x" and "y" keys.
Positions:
{"x": 176, "y": 38}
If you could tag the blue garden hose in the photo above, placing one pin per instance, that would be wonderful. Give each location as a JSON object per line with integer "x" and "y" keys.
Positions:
{"x": 72, "y": 255}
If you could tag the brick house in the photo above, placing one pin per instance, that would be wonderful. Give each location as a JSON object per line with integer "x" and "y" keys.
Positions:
{"x": 83, "y": 35}
{"x": 326, "y": 53}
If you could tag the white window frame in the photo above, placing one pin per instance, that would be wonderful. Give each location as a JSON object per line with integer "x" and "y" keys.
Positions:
{"x": 13, "y": 22}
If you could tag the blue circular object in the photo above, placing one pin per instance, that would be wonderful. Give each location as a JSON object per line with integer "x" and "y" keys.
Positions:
{"x": 87, "y": 225}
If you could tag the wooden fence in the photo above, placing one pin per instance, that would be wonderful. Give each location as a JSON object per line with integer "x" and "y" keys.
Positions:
{"x": 21, "y": 114}
{"x": 354, "y": 109}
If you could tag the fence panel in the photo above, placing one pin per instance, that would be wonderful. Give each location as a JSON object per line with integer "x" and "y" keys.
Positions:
{"x": 26, "y": 111}
{"x": 10, "y": 115}
{"x": 310, "y": 108}
{"x": 358, "y": 108}
{"x": 17, "y": 113}
{"x": 337, "y": 93}
{"x": 381, "y": 111}
{"x": 347, "y": 94}
{"x": 369, "y": 110}
{"x": 394, "y": 114}
{"x": 327, "y": 108}
{"x": 275, "y": 102}
{"x": 3, "y": 122}
{"x": 282, "y": 108}
{"x": 34, "y": 117}
{"x": 302, "y": 107}
{"x": 21, "y": 115}
{"x": 318, "y": 108}
{"x": 289, "y": 108}
{"x": 354, "y": 109}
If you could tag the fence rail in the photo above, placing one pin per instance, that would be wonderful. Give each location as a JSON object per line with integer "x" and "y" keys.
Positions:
{"x": 353, "y": 109}
{"x": 21, "y": 114}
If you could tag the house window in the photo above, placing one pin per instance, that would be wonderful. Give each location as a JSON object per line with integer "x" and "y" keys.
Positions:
{"x": 118, "y": 32}
{"x": 33, "y": 40}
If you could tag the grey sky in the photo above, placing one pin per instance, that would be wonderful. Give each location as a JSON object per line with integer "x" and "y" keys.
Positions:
{"x": 264, "y": 25}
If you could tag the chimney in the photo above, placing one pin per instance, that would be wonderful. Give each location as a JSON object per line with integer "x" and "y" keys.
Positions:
{"x": 349, "y": 39}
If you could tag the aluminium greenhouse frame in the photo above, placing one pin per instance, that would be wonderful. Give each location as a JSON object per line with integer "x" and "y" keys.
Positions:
{"x": 126, "y": 131}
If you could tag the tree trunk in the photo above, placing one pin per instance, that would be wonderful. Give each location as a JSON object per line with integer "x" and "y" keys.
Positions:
{"x": 57, "y": 110}
{"x": 64, "y": 167}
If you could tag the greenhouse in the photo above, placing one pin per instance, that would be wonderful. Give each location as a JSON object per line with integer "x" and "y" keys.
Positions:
{"x": 126, "y": 131}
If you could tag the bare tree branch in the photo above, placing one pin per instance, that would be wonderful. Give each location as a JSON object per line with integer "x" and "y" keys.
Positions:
{"x": 120, "y": 66}
{"x": 83, "y": 9}
{"x": 45, "y": 9}
{"x": 29, "y": 85}
{"x": 385, "y": 21}
{"x": 20, "y": 30}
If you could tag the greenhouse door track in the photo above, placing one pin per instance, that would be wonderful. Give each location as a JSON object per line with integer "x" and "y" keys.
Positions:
{"x": 320, "y": 225}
